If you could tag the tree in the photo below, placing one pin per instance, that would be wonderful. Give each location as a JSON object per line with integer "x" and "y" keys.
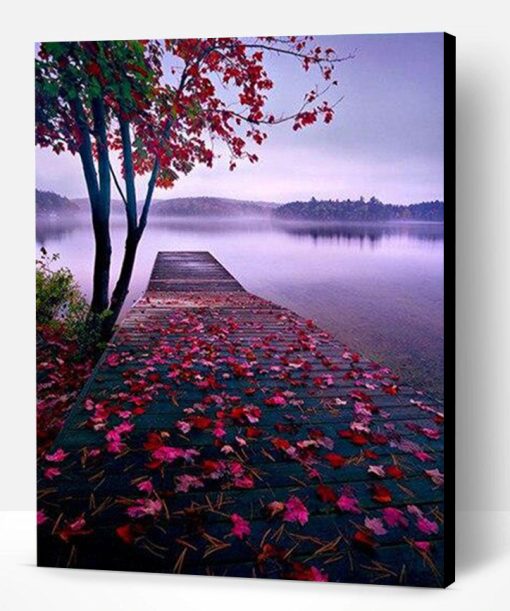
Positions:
{"x": 160, "y": 106}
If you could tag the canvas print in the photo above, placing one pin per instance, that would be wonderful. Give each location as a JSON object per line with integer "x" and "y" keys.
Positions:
{"x": 245, "y": 272}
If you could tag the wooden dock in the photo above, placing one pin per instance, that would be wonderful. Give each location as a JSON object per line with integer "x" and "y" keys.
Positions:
{"x": 222, "y": 434}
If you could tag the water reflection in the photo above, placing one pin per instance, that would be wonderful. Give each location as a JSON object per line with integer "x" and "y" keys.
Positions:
{"x": 367, "y": 233}
{"x": 361, "y": 233}
{"x": 378, "y": 287}
{"x": 56, "y": 229}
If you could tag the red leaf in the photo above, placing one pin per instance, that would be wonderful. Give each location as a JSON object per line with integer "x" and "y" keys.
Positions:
{"x": 381, "y": 494}
{"x": 364, "y": 540}
{"x": 390, "y": 389}
{"x": 370, "y": 454}
{"x": 200, "y": 422}
{"x": 153, "y": 442}
{"x": 93, "y": 69}
{"x": 356, "y": 438}
{"x": 129, "y": 532}
{"x": 394, "y": 471}
{"x": 378, "y": 438}
{"x": 125, "y": 533}
{"x": 280, "y": 444}
{"x": 326, "y": 493}
{"x": 335, "y": 460}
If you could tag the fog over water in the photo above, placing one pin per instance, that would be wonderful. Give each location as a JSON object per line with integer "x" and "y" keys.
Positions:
{"x": 377, "y": 287}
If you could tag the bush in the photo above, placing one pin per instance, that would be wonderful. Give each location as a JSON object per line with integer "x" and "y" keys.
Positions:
{"x": 58, "y": 297}
{"x": 68, "y": 345}
{"x": 60, "y": 305}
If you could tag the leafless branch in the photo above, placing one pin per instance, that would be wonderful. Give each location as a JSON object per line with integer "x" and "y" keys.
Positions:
{"x": 117, "y": 185}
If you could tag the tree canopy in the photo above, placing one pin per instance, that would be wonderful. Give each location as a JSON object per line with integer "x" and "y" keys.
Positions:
{"x": 176, "y": 95}
{"x": 160, "y": 106}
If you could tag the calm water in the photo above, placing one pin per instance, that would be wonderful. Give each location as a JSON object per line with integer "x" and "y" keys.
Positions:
{"x": 379, "y": 288}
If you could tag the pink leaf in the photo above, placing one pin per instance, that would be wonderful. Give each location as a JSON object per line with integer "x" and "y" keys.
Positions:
{"x": 376, "y": 526}
{"x": 431, "y": 433}
{"x": 146, "y": 486}
{"x": 295, "y": 511}
{"x": 57, "y": 456}
{"x": 348, "y": 503}
{"x": 318, "y": 575}
{"x": 394, "y": 517}
{"x": 52, "y": 472}
{"x": 427, "y": 526}
{"x": 186, "y": 482}
{"x": 436, "y": 476}
{"x": 376, "y": 470}
{"x": 144, "y": 507}
{"x": 423, "y": 546}
{"x": 240, "y": 527}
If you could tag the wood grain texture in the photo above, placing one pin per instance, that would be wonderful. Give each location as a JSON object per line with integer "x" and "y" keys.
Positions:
{"x": 198, "y": 355}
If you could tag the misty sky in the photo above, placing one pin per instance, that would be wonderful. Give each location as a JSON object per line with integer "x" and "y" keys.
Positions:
{"x": 386, "y": 139}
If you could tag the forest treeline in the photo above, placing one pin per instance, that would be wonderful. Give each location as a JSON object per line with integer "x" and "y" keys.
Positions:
{"x": 360, "y": 210}
{"x": 312, "y": 210}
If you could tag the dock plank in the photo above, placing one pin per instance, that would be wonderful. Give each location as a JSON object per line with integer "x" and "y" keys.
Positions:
{"x": 211, "y": 402}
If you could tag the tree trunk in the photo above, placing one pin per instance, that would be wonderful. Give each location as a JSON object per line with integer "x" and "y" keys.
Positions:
{"x": 101, "y": 213}
{"x": 98, "y": 189}
{"x": 102, "y": 259}
{"x": 121, "y": 289}
{"x": 135, "y": 231}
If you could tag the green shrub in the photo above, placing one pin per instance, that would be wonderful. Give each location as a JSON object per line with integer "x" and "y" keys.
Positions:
{"x": 61, "y": 304}
{"x": 57, "y": 294}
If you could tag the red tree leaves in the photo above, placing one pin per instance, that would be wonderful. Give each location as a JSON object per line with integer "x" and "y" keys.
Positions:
{"x": 169, "y": 93}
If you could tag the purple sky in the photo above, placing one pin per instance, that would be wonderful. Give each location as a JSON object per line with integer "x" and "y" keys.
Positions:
{"x": 386, "y": 139}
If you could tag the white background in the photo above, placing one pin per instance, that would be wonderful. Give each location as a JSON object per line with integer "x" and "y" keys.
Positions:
{"x": 483, "y": 254}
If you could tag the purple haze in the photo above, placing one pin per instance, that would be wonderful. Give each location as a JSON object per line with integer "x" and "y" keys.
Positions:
{"x": 386, "y": 139}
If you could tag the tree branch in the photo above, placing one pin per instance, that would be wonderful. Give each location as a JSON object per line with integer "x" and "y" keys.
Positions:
{"x": 310, "y": 57}
{"x": 117, "y": 185}
{"x": 129, "y": 175}
{"x": 148, "y": 198}
{"x": 100, "y": 129}
{"x": 85, "y": 152}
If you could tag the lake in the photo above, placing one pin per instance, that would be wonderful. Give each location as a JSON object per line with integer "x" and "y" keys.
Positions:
{"x": 376, "y": 287}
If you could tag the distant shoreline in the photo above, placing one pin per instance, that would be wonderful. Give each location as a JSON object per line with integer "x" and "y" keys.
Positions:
{"x": 119, "y": 216}
{"x": 320, "y": 211}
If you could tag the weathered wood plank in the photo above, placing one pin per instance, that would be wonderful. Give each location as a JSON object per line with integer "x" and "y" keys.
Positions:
{"x": 227, "y": 403}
